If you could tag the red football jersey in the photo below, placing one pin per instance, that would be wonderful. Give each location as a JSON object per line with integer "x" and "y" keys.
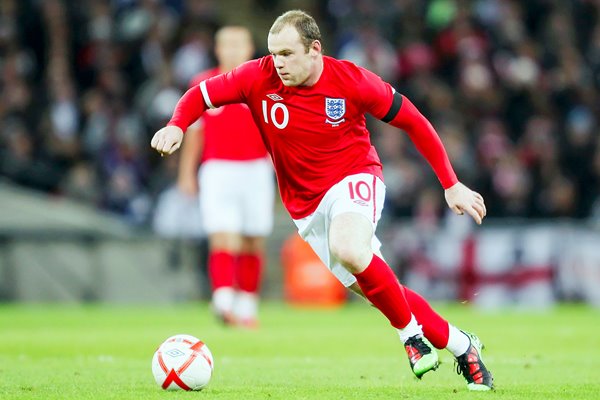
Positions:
{"x": 229, "y": 132}
{"x": 316, "y": 135}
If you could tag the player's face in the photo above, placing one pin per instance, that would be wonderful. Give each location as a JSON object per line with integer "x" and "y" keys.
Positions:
{"x": 295, "y": 66}
{"x": 233, "y": 46}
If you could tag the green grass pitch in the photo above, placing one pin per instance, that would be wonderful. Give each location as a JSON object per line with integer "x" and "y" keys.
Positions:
{"x": 104, "y": 352}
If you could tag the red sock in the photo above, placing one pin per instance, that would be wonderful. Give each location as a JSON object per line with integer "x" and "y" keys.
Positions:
{"x": 381, "y": 287}
{"x": 220, "y": 269}
{"x": 435, "y": 328}
{"x": 248, "y": 272}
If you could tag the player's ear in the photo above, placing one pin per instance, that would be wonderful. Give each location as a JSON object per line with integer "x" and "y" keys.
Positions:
{"x": 316, "y": 46}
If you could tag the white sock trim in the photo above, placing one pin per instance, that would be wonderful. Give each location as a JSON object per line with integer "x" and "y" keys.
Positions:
{"x": 413, "y": 328}
{"x": 246, "y": 305}
{"x": 458, "y": 342}
{"x": 222, "y": 300}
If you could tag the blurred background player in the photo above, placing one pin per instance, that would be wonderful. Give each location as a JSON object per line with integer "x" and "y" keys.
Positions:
{"x": 236, "y": 189}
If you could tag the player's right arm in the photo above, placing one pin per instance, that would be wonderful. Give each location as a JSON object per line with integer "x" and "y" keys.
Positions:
{"x": 189, "y": 108}
{"x": 228, "y": 88}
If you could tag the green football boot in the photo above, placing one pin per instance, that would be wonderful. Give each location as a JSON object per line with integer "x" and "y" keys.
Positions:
{"x": 421, "y": 355}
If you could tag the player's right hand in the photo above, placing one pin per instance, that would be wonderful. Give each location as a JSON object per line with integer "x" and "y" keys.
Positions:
{"x": 167, "y": 140}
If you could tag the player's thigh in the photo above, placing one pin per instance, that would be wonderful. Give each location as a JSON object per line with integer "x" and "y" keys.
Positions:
{"x": 318, "y": 240}
{"x": 313, "y": 230}
{"x": 350, "y": 195}
{"x": 350, "y": 237}
{"x": 220, "y": 205}
{"x": 354, "y": 207}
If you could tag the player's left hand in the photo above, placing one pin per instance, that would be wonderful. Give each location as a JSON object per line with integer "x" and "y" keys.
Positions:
{"x": 462, "y": 200}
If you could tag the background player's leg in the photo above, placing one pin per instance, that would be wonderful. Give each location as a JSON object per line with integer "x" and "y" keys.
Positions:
{"x": 248, "y": 274}
{"x": 223, "y": 249}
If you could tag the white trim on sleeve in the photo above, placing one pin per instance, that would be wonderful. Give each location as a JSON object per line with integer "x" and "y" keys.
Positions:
{"x": 205, "y": 95}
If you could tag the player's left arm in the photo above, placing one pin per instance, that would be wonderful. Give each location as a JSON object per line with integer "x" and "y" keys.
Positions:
{"x": 403, "y": 114}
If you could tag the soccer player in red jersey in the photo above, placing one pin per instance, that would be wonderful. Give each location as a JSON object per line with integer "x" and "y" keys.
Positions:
{"x": 236, "y": 189}
{"x": 310, "y": 110}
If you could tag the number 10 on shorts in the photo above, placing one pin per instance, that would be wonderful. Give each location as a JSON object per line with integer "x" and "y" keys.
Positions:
{"x": 360, "y": 191}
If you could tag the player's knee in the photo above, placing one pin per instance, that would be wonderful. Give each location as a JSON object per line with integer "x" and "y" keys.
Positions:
{"x": 253, "y": 244}
{"x": 354, "y": 258}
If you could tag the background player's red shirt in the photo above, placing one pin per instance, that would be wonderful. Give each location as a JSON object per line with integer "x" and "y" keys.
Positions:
{"x": 316, "y": 135}
{"x": 229, "y": 132}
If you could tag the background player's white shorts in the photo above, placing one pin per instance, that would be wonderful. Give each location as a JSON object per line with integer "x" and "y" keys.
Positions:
{"x": 237, "y": 196}
{"x": 361, "y": 193}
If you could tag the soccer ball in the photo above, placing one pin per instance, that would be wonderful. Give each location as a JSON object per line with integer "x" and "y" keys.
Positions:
{"x": 182, "y": 362}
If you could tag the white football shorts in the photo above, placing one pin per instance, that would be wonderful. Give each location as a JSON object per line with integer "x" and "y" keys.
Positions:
{"x": 237, "y": 196}
{"x": 361, "y": 193}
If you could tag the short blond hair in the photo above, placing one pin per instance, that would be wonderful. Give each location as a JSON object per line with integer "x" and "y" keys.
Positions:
{"x": 304, "y": 23}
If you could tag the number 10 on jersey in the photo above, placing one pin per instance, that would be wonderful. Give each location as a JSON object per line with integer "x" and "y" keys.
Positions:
{"x": 279, "y": 119}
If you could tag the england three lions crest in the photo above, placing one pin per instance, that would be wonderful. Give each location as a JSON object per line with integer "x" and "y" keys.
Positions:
{"x": 335, "y": 110}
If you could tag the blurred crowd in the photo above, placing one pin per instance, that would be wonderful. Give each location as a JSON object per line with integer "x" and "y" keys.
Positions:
{"x": 511, "y": 86}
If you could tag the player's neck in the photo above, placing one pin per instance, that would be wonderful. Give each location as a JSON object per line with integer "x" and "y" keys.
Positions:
{"x": 314, "y": 77}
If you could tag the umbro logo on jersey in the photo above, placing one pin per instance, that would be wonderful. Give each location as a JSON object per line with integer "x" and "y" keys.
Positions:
{"x": 275, "y": 97}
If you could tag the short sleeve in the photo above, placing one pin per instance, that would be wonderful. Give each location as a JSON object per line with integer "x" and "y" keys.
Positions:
{"x": 375, "y": 94}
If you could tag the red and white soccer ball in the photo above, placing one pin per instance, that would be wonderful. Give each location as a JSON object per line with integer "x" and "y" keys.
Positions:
{"x": 182, "y": 362}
